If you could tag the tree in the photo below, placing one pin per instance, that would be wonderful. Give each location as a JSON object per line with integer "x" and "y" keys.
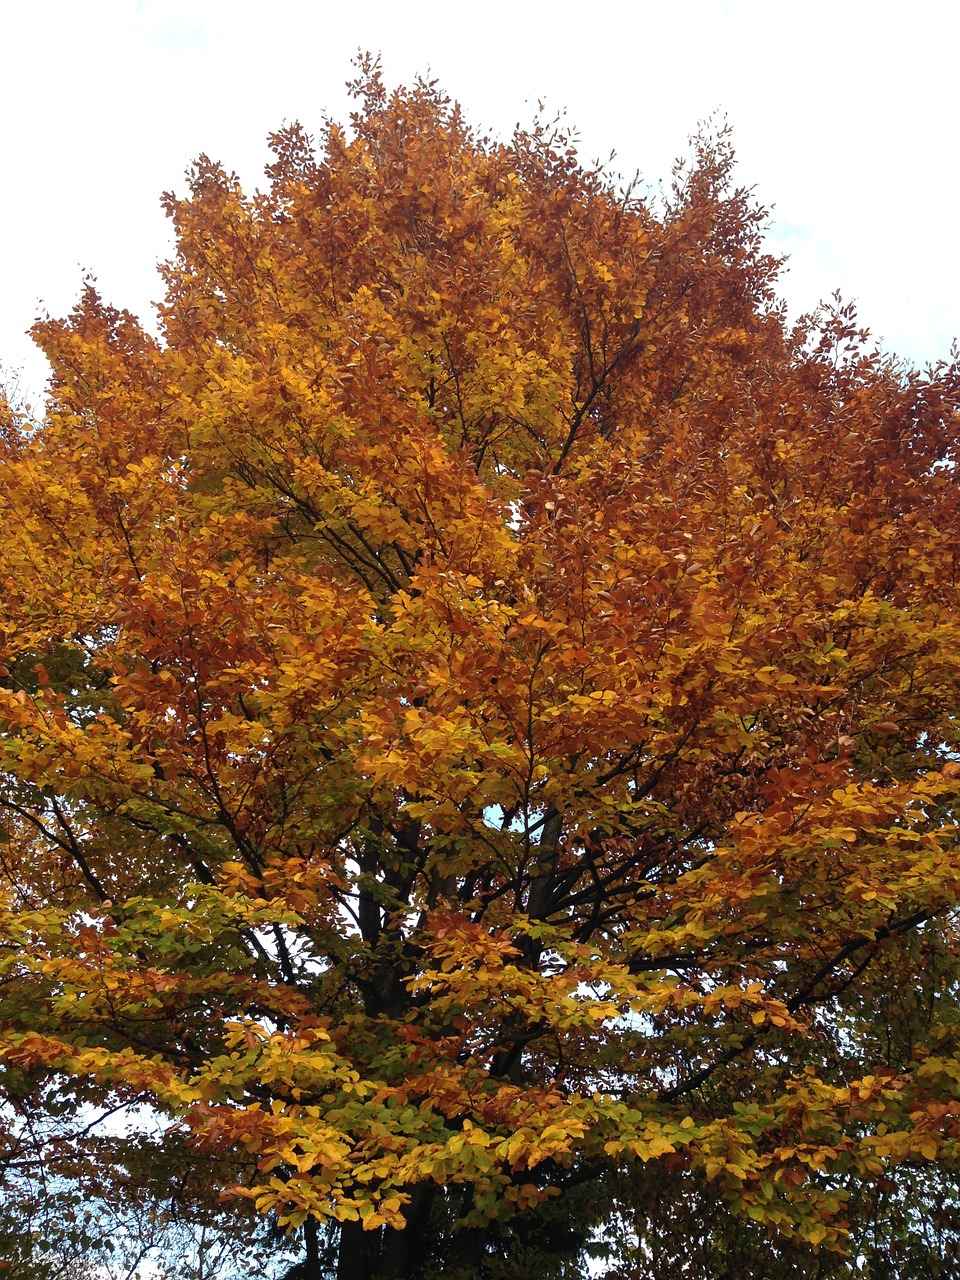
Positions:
{"x": 479, "y": 722}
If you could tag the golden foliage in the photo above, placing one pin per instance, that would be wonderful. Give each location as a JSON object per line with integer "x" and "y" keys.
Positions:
{"x": 480, "y": 694}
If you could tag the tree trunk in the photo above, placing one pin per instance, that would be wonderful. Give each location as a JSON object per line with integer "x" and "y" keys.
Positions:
{"x": 311, "y": 1239}
{"x": 358, "y": 1257}
{"x": 387, "y": 1254}
{"x": 402, "y": 1252}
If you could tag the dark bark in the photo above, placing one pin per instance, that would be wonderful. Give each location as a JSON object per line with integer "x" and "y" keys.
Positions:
{"x": 312, "y": 1269}
{"x": 387, "y": 1254}
{"x": 402, "y": 1253}
{"x": 467, "y": 1250}
{"x": 358, "y": 1257}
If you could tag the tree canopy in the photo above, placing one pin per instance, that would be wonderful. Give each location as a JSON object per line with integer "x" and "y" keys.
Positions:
{"x": 479, "y": 730}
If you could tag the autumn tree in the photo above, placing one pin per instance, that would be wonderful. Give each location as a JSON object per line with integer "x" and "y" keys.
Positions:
{"x": 479, "y": 748}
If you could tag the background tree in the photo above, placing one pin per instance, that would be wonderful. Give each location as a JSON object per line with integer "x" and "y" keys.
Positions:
{"x": 84, "y": 1198}
{"x": 480, "y": 720}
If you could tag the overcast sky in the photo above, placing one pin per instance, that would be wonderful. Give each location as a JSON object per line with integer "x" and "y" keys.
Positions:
{"x": 845, "y": 118}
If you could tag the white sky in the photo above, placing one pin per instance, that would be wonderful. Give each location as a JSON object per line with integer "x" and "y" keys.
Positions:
{"x": 845, "y": 118}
